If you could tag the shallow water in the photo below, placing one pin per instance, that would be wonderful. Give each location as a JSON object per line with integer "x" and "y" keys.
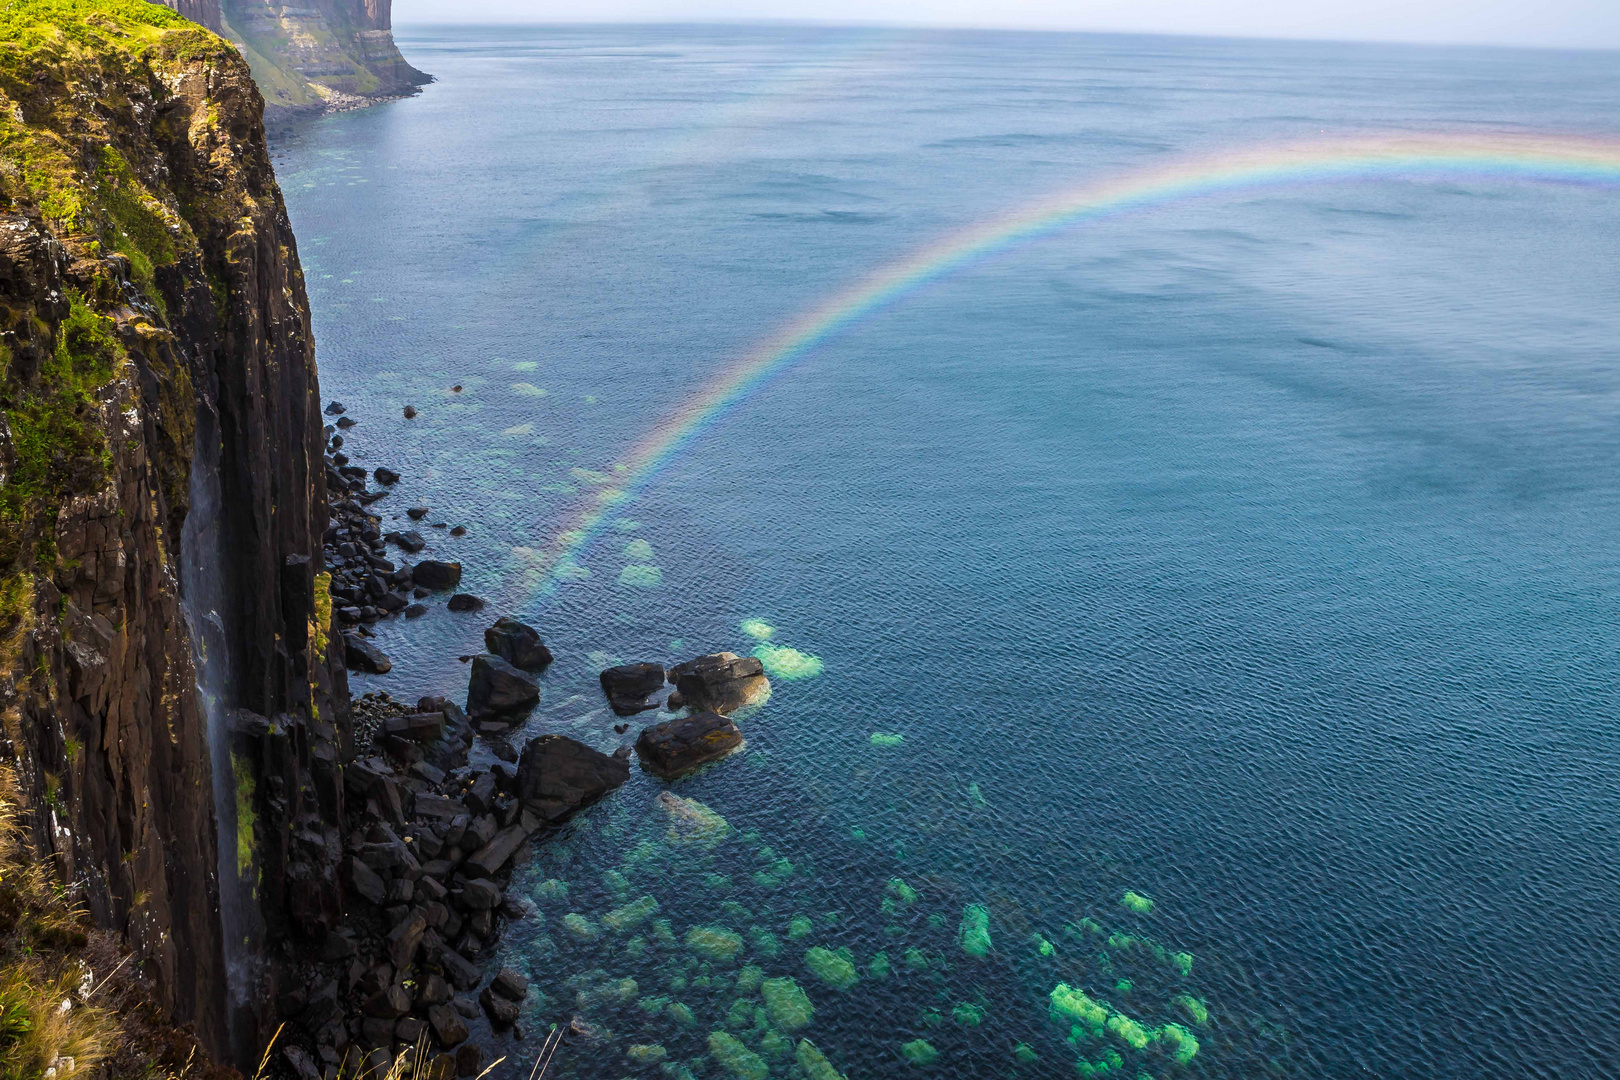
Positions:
{"x": 1253, "y": 555}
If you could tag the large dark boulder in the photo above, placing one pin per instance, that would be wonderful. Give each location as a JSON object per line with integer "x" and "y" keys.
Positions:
{"x": 434, "y": 574}
{"x": 496, "y": 688}
{"x": 517, "y": 644}
{"x": 721, "y": 682}
{"x": 628, "y": 685}
{"x": 557, "y": 775}
{"x": 361, "y": 655}
{"x": 678, "y": 746}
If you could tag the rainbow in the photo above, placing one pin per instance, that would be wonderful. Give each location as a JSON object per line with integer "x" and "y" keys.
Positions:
{"x": 1536, "y": 159}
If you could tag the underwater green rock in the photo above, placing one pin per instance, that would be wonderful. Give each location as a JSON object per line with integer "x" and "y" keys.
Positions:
{"x": 1130, "y": 1031}
{"x": 631, "y": 915}
{"x": 916, "y": 959}
{"x": 967, "y": 1014}
{"x": 1070, "y": 1004}
{"x": 646, "y": 1054}
{"x": 919, "y": 1052}
{"x": 1024, "y": 1054}
{"x": 1136, "y": 902}
{"x": 680, "y": 1013}
{"x": 836, "y": 969}
{"x": 800, "y": 926}
{"x": 815, "y": 1063}
{"x": 900, "y": 891}
{"x": 615, "y": 883}
{"x": 774, "y": 1045}
{"x": 758, "y": 629}
{"x": 975, "y": 932}
{"x": 764, "y": 942}
{"x": 642, "y": 576}
{"x": 551, "y": 889}
{"x": 781, "y": 662}
{"x": 1042, "y": 946}
{"x": 749, "y": 979}
{"x": 879, "y": 967}
{"x": 880, "y": 738}
{"x": 580, "y": 927}
{"x": 1196, "y": 1010}
{"x": 1181, "y": 1043}
{"x": 788, "y": 1006}
{"x": 736, "y": 1058}
{"x": 740, "y": 1015}
{"x": 714, "y": 943}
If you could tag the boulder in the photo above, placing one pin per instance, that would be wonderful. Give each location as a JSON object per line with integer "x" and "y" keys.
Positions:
{"x": 422, "y": 727}
{"x": 434, "y": 574}
{"x": 362, "y": 655}
{"x": 448, "y": 1025}
{"x": 502, "y": 1013}
{"x": 335, "y": 408}
{"x": 721, "y": 682}
{"x": 510, "y": 985}
{"x": 385, "y": 476}
{"x": 465, "y": 602}
{"x": 628, "y": 685}
{"x": 678, "y": 746}
{"x": 496, "y": 688}
{"x": 517, "y": 644}
{"x": 557, "y": 775}
{"x": 416, "y": 611}
{"x": 489, "y": 859}
{"x": 390, "y": 1003}
{"x": 410, "y": 540}
{"x": 417, "y": 513}
{"x": 459, "y": 970}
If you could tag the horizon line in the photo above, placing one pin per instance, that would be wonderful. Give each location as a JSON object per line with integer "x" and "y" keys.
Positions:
{"x": 763, "y": 22}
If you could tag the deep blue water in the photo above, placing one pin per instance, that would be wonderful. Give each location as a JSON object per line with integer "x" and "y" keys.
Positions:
{"x": 1255, "y": 554}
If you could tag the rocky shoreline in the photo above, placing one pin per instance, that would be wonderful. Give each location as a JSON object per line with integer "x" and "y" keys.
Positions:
{"x": 431, "y": 840}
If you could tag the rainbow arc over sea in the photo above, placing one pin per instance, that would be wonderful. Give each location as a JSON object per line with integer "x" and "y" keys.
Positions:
{"x": 1457, "y": 157}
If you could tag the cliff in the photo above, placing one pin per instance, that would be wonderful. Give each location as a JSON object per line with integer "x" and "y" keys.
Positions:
{"x": 313, "y": 54}
{"x": 162, "y": 504}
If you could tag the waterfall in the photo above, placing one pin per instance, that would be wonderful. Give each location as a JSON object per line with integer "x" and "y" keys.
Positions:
{"x": 205, "y": 600}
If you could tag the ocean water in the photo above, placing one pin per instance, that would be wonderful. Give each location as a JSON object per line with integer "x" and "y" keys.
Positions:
{"x": 1253, "y": 554}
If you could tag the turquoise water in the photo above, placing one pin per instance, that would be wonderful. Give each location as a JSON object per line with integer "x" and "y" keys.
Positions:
{"x": 1253, "y": 556}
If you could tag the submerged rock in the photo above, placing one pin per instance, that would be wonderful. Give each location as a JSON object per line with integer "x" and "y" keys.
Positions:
{"x": 517, "y": 643}
{"x": 497, "y": 689}
{"x": 721, "y": 682}
{"x": 628, "y": 685}
{"x": 465, "y": 602}
{"x": 678, "y": 746}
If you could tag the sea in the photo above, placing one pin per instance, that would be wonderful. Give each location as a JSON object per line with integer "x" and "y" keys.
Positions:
{"x": 1194, "y": 629}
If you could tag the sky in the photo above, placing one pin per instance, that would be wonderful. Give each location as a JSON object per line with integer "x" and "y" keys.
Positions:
{"x": 1554, "y": 23}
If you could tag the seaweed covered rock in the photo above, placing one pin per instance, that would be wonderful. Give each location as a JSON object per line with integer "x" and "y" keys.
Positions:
{"x": 517, "y": 643}
{"x": 628, "y": 685}
{"x": 721, "y": 682}
{"x": 557, "y": 775}
{"x": 678, "y": 746}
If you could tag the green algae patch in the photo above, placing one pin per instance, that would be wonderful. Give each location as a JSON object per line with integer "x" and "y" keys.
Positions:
{"x": 758, "y": 629}
{"x": 1105, "y": 1064}
{"x": 879, "y": 967}
{"x": 1071, "y": 1005}
{"x": 646, "y": 1053}
{"x": 836, "y": 969}
{"x": 580, "y": 927}
{"x": 1042, "y": 946}
{"x": 736, "y": 1058}
{"x": 764, "y": 943}
{"x": 1135, "y": 901}
{"x": 740, "y": 1016}
{"x": 1181, "y": 1043}
{"x": 975, "y": 932}
{"x": 631, "y": 915}
{"x": 749, "y": 979}
{"x": 976, "y": 796}
{"x": 884, "y": 739}
{"x": 693, "y": 823}
{"x": 641, "y": 576}
{"x": 782, "y": 662}
{"x": 551, "y": 889}
{"x": 1195, "y": 1009}
{"x": 681, "y": 1014}
{"x": 615, "y": 883}
{"x": 900, "y": 891}
{"x": 919, "y": 1052}
{"x": 1024, "y": 1054}
{"x": 776, "y": 1046}
{"x": 968, "y": 1014}
{"x": 916, "y": 959}
{"x": 1182, "y": 962}
{"x": 800, "y": 927}
{"x": 653, "y": 1004}
{"x": 786, "y": 1004}
{"x": 814, "y": 1062}
{"x": 639, "y": 550}
{"x": 714, "y": 943}
{"x": 1129, "y": 1031}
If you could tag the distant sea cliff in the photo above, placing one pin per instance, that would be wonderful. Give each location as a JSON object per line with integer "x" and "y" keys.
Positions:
{"x": 312, "y": 56}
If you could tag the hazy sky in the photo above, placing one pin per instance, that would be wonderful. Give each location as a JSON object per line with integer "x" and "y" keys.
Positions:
{"x": 1579, "y": 23}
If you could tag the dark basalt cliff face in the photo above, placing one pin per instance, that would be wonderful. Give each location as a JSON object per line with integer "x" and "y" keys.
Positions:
{"x": 312, "y": 55}
{"x": 153, "y": 322}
